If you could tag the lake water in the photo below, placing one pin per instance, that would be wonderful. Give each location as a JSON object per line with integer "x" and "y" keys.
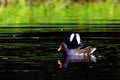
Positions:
{"x": 34, "y": 55}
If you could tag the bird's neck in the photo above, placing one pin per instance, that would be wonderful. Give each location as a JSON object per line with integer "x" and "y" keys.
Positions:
{"x": 66, "y": 48}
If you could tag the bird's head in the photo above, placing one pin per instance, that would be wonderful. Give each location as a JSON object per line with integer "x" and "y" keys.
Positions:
{"x": 63, "y": 46}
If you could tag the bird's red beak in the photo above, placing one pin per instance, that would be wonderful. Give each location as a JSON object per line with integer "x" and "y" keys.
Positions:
{"x": 60, "y": 47}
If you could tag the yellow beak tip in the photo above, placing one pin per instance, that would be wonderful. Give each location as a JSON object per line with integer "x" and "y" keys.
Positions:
{"x": 58, "y": 49}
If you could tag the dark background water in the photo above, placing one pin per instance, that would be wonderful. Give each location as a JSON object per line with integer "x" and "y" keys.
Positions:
{"x": 34, "y": 55}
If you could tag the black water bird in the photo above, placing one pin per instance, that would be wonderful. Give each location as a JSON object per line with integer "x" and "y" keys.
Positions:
{"x": 76, "y": 55}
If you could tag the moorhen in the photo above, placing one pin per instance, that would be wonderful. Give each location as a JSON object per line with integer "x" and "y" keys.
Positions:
{"x": 75, "y": 55}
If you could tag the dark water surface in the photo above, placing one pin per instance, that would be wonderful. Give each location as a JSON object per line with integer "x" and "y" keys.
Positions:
{"x": 33, "y": 56}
